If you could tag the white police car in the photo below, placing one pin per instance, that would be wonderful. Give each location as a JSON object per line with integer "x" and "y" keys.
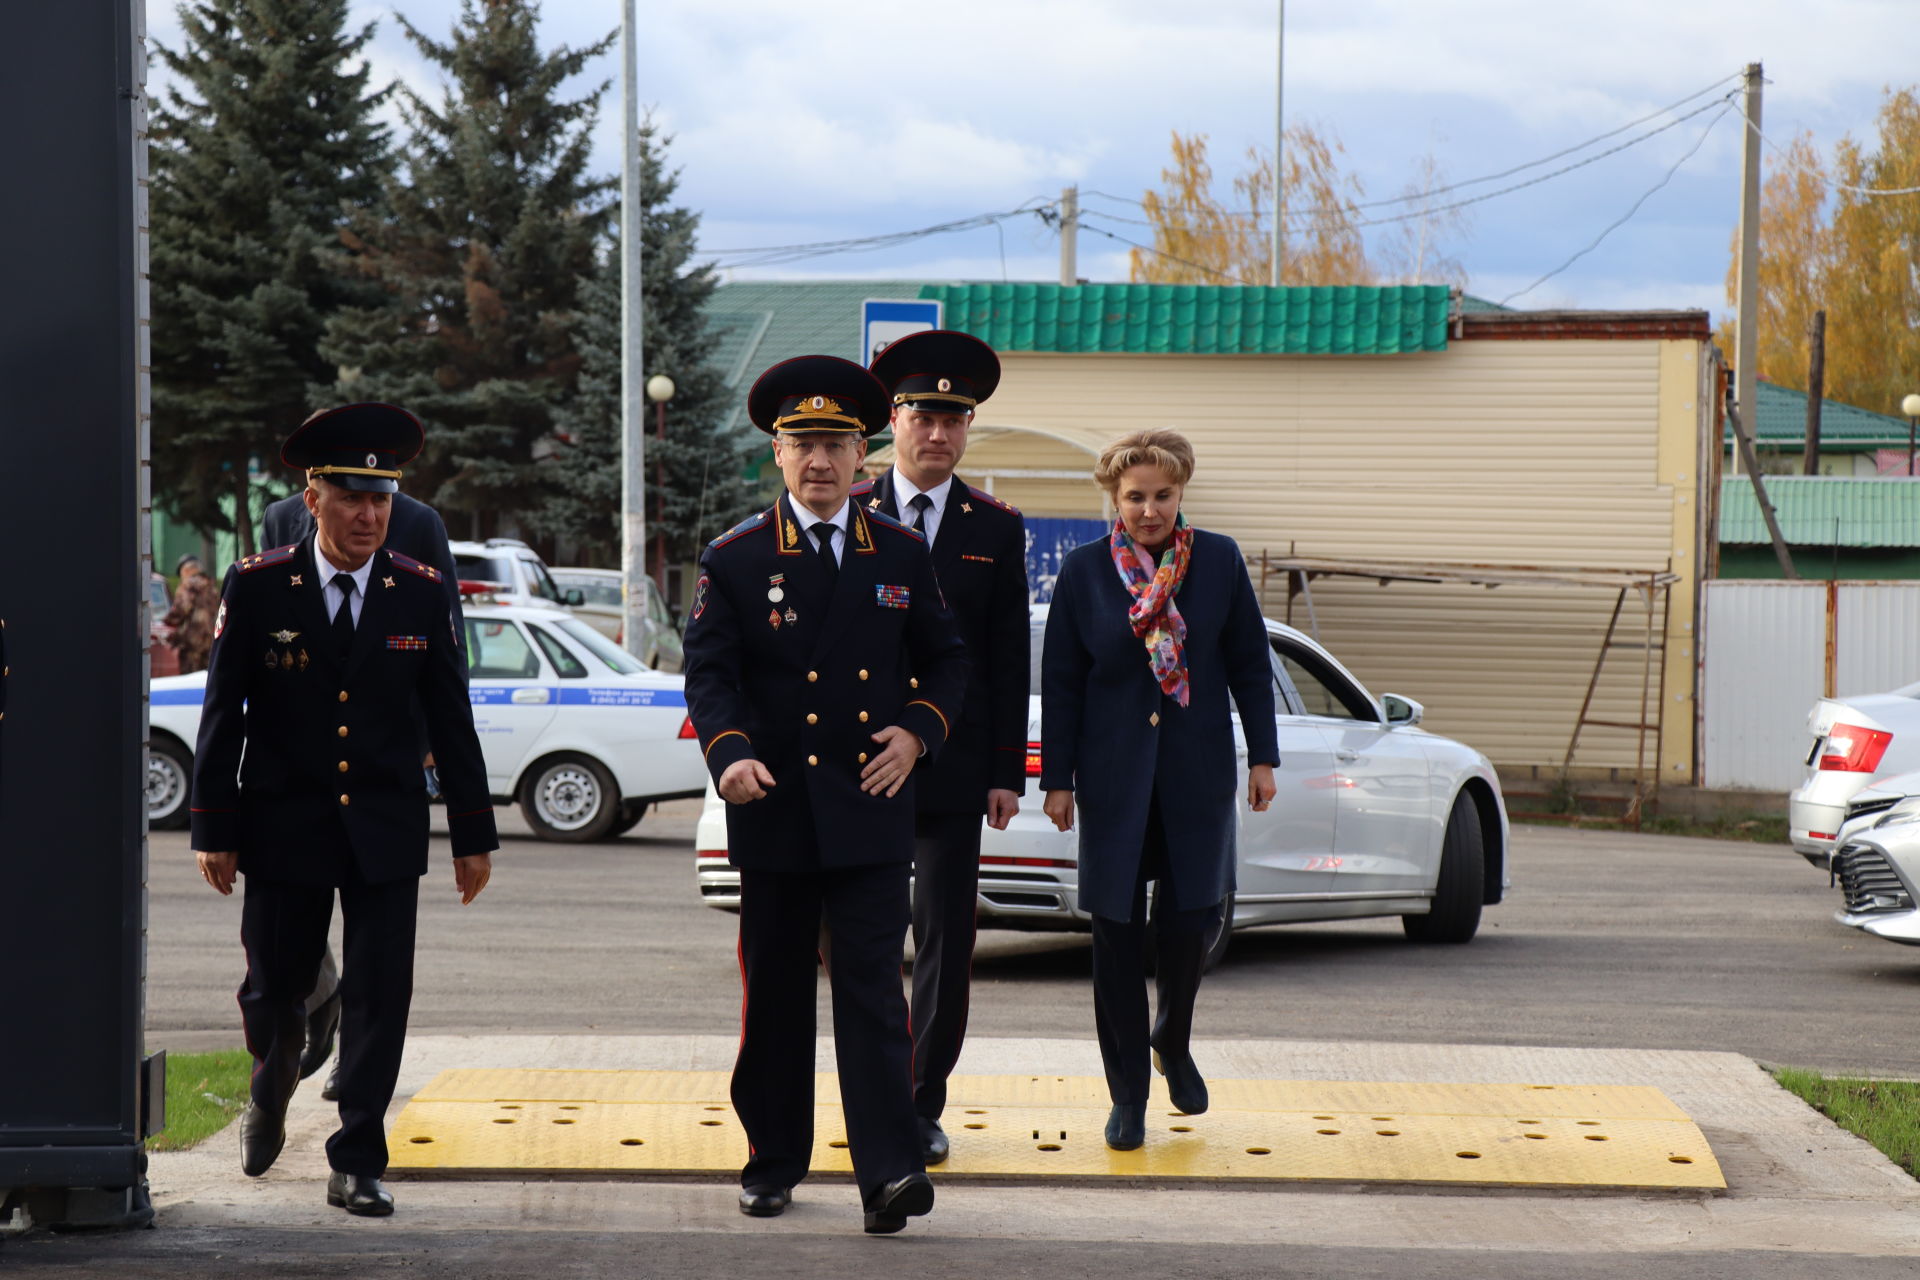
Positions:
{"x": 573, "y": 727}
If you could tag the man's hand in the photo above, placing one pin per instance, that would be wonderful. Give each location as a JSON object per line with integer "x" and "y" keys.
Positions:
{"x": 470, "y": 875}
{"x": 1002, "y": 804}
{"x": 887, "y": 772}
{"x": 1059, "y": 807}
{"x": 1260, "y": 787}
{"x": 218, "y": 869}
{"x": 744, "y": 781}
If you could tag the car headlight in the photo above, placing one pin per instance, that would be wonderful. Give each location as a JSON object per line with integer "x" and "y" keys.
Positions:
{"x": 1906, "y": 811}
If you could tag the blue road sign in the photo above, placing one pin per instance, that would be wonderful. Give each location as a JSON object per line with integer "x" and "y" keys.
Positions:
{"x": 885, "y": 320}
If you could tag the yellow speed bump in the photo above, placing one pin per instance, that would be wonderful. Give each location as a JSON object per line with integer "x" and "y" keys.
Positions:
{"x": 1044, "y": 1127}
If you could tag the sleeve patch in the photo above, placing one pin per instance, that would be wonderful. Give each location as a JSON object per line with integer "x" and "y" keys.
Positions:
{"x": 700, "y": 595}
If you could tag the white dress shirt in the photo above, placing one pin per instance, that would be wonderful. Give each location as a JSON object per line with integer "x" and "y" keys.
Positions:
{"x": 331, "y": 594}
{"x": 903, "y": 494}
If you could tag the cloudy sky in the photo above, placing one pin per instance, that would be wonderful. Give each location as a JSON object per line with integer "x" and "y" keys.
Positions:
{"x": 796, "y": 123}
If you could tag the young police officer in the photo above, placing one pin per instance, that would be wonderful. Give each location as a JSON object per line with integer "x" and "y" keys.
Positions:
{"x": 320, "y": 650}
{"x": 934, "y": 380}
{"x": 809, "y": 624}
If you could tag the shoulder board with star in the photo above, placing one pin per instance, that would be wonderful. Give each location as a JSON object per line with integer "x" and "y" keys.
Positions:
{"x": 265, "y": 559}
{"x": 981, "y": 495}
{"x": 744, "y": 527}
{"x": 882, "y": 520}
{"x": 861, "y": 488}
{"x": 413, "y": 566}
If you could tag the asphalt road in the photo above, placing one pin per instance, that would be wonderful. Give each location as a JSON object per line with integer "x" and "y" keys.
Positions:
{"x": 1607, "y": 940}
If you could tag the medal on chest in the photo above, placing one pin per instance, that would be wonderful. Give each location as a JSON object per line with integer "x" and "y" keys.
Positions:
{"x": 775, "y": 591}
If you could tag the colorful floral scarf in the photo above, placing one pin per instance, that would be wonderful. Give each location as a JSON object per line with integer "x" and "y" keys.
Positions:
{"x": 1153, "y": 614}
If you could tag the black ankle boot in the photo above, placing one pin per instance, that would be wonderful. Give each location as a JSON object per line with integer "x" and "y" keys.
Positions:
{"x": 1127, "y": 1126}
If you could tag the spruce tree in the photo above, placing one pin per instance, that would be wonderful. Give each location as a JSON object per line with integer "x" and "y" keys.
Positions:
{"x": 268, "y": 139}
{"x": 698, "y": 481}
{"x": 480, "y": 253}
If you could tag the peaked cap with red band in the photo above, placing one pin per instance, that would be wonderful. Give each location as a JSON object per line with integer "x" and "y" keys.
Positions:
{"x": 817, "y": 393}
{"x": 356, "y": 446}
{"x": 938, "y": 370}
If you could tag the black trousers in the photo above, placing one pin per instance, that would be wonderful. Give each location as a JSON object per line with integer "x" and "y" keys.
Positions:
{"x": 946, "y": 895}
{"x": 284, "y": 929}
{"x": 1180, "y": 933}
{"x": 866, "y": 910}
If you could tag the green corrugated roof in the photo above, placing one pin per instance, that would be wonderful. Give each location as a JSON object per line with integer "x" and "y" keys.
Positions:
{"x": 1200, "y": 319}
{"x": 1781, "y": 418}
{"x": 1823, "y": 511}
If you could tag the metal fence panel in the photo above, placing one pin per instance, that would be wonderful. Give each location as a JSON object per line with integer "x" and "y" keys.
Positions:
{"x": 1764, "y": 652}
{"x": 1876, "y": 637}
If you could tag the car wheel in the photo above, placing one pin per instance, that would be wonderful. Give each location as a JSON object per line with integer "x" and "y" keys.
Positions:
{"x": 169, "y": 784}
{"x": 1461, "y": 887}
{"x": 630, "y": 815}
{"x": 570, "y": 798}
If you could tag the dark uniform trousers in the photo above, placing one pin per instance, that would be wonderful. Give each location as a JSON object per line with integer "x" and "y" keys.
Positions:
{"x": 797, "y": 666}
{"x": 980, "y": 556}
{"x": 1181, "y": 935}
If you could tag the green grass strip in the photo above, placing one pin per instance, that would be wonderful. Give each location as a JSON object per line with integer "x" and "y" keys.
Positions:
{"x": 1884, "y": 1112}
{"x": 204, "y": 1092}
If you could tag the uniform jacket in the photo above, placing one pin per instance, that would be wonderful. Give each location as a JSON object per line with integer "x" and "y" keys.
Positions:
{"x": 1109, "y": 733}
{"x": 980, "y": 556}
{"x": 331, "y": 746}
{"x": 802, "y": 682}
{"x": 413, "y": 529}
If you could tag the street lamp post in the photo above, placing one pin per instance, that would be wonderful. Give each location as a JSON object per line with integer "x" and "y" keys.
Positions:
{"x": 1911, "y": 407}
{"x": 660, "y": 389}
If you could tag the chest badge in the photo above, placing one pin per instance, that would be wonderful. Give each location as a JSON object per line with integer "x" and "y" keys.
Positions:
{"x": 792, "y": 617}
{"x": 775, "y": 592}
{"x": 285, "y": 637}
{"x": 773, "y": 619}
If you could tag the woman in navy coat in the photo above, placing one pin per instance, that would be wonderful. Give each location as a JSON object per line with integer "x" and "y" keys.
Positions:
{"x": 1150, "y": 630}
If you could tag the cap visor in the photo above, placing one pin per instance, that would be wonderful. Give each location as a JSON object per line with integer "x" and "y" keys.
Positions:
{"x": 364, "y": 484}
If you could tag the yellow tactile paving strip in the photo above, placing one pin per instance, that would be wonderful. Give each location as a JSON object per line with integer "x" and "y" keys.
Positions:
{"x": 1041, "y": 1127}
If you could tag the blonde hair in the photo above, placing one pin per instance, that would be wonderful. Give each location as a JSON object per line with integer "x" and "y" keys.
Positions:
{"x": 1162, "y": 447}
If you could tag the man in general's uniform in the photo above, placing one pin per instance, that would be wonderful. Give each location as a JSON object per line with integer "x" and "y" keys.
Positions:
{"x": 823, "y": 667}
{"x": 934, "y": 380}
{"x": 307, "y": 780}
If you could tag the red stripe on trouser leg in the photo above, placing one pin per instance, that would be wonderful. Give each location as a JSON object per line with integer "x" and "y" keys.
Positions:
{"x": 740, "y": 958}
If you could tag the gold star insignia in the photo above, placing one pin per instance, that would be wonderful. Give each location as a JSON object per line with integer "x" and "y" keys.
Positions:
{"x": 874, "y": 505}
{"x": 295, "y": 582}
{"x": 387, "y": 581}
{"x": 967, "y": 507}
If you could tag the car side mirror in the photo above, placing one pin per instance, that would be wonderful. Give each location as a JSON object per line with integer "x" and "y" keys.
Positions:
{"x": 574, "y": 595}
{"x": 1402, "y": 710}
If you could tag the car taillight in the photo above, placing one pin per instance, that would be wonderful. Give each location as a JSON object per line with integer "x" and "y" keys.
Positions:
{"x": 1852, "y": 749}
{"x": 686, "y": 728}
{"x": 1033, "y": 759}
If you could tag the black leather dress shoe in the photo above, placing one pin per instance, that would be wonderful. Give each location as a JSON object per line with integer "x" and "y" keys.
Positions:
{"x": 363, "y": 1197}
{"x": 905, "y": 1197}
{"x": 765, "y": 1202}
{"x": 933, "y": 1142}
{"x": 1185, "y": 1085}
{"x": 262, "y": 1134}
{"x": 323, "y": 1027}
{"x": 1127, "y": 1126}
{"x": 331, "y": 1089}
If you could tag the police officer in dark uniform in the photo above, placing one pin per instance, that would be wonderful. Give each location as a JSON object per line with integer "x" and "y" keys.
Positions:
{"x": 307, "y": 781}
{"x": 415, "y": 529}
{"x": 934, "y": 381}
{"x": 809, "y": 624}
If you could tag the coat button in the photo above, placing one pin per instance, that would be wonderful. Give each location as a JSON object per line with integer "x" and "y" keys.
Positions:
{"x": 343, "y": 799}
{"x": 343, "y": 731}
{"x": 863, "y": 717}
{"x": 1154, "y": 719}
{"x": 343, "y": 766}
{"x": 863, "y": 757}
{"x": 813, "y": 759}
{"x": 863, "y": 673}
{"x": 915, "y": 682}
{"x": 343, "y": 695}
{"x": 812, "y": 718}
{"x": 811, "y": 677}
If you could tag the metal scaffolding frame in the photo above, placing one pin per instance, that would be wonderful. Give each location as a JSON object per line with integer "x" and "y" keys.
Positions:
{"x": 1298, "y": 573}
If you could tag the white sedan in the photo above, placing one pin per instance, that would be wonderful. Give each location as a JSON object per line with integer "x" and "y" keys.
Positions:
{"x": 1374, "y": 817}
{"x": 1856, "y": 742}
{"x": 573, "y": 727}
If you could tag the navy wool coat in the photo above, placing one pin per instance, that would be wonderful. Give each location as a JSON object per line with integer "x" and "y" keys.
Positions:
{"x": 1109, "y": 733}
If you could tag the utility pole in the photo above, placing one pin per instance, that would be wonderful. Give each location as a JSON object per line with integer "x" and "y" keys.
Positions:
{"x": 633, "y": 396}
{"x": 1747, "y": 338}
{"x": 1279, "y": 144}
{"x": 1816, "y": 390}
{"x": 1069, "y": 234}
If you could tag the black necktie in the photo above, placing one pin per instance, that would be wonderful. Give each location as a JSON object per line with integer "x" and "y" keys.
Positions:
{"x": 343, "y": 616}
{"x": 921, "y": 504}
{"x": 823, "y": 534}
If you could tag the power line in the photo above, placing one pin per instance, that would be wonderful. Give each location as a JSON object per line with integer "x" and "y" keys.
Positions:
{"x": 1628, "y": 215}
{"x": 774, "y": 255}
{"x": 1837, "y": 186}
{"x": 1147, "y": 248}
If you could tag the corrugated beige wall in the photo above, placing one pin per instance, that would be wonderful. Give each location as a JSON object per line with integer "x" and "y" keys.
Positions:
{"x": 1550, "y": 453}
